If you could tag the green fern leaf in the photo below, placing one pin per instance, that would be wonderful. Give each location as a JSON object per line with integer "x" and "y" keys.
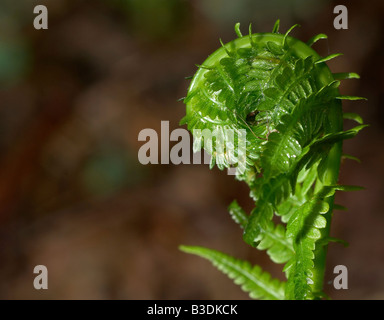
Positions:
{"x": 304, "y": 230}
{"x": 238, "y": 214}
{"x": 258, "y": 222}
{"x": 285, "y": 146}
{"x": 278, "y": 247}
{"x": 252, "y": 279}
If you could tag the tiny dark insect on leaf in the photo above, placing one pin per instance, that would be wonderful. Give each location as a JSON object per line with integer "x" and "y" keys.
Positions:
{"x": 251, "y": 117}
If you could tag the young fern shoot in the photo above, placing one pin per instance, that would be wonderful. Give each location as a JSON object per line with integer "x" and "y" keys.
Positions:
{"x": 282, "y": 93}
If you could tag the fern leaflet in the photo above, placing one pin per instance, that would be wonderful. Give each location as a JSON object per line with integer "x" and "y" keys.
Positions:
{"x": 252, "y": 279}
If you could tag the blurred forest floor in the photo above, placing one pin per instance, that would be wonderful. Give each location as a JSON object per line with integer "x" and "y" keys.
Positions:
{"x": 74, "y": 197}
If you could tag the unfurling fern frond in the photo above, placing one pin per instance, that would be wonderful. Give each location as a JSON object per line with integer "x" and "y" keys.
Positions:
{"x": 281, "y": 93}
{"x": 252, "y": 279}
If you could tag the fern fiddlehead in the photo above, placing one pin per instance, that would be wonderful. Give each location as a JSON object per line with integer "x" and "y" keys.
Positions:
{"x": 283, "y": 95}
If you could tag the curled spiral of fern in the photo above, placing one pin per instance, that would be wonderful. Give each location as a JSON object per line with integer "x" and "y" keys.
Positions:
{"x": 280, "y": 92}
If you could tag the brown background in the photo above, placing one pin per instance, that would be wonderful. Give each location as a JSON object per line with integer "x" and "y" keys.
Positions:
{"x": 74, "y": 197}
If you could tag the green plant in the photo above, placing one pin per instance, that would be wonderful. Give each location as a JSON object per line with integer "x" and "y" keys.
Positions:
{"x": 282, "y": 93}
